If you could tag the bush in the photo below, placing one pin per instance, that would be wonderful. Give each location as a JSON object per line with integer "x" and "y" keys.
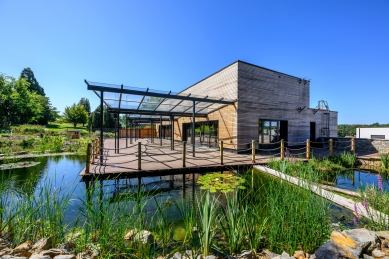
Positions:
{"x": 25, "y": 129}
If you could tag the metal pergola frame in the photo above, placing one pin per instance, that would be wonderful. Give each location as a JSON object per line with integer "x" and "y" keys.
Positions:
{"x": 148, "y": 106}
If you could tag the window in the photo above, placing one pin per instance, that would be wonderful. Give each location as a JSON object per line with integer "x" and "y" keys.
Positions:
{"x": 268, "y": 131}
{"x": 377, "y": 136}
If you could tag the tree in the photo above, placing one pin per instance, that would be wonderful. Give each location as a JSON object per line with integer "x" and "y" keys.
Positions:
{"x": 76, "y": 114}
{"x": 85, "y": 102}
{"x": 34, "y": 85}
{"x": 5, "y": 99}
{"x": 94, "y": 119}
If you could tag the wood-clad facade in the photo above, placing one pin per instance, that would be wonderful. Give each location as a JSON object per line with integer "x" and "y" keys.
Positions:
{"x": 270, "y": 105}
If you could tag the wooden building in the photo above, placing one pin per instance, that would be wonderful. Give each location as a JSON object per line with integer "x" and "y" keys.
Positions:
{"x": 237, "y": 104}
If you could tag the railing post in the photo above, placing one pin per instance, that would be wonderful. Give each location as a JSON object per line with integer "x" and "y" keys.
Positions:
{"x": 184, "y": 154}
{"x": 88, "y": 156}
{"x": 282, "y": 150}
{"x": 353, "y": 145}
{"x": 221, "y": 152}
{"x": 308, "y": 149}
{"x": 139, "y": 155}
{"x": 331, "y": 147}
{"x": 93, "y": 148}
{"x": 253, "y": 151}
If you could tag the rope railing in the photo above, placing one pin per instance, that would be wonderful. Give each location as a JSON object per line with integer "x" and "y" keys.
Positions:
{"x": 153, "y": 152}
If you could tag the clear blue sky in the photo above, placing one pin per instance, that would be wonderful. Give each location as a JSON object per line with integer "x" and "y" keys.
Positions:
{"x": 342, "y": 46}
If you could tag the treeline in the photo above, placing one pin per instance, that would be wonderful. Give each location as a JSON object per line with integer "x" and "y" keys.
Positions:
{"x": 24, "y": 101}
{"x": 351, "y": 129}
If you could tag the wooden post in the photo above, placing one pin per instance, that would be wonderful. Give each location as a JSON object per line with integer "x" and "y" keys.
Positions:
{"x": 184, "y": 154}
{"x": 88, "y": 156}
{"x": 282, "y": 152}
{"x": 139, "y": 155}
{"x": 253, "y": 151}
{"x": 221, "y": 152}
{"x": 308, "y": 149}
{"x": 353, "y": 145}
{"x": 93, "y": 148}
{"x": 331, "y": 147}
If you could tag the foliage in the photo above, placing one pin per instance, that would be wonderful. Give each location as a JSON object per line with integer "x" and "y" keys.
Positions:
{"x": 346, "y": 159}
{"x": 384, "y": 157}
{"x": 34, "y": 86}
{"x": 220, "y": 182}
{"x": 94, "y": 119}
{"x": 28, "y": 129}
{"x": 85, "y": 102}
{"x": 76, "y": 114}
{"x": 20, "y": 103}
{"x": 351, "y": 129}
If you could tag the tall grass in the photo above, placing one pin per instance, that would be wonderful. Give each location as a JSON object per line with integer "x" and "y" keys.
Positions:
{"x": 28, "y": 129}
{"x": 384, "y": 157}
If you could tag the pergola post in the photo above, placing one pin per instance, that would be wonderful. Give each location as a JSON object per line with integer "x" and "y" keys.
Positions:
{"x": 130, "y": 131}
{"x": 126, "y": 131}
{"x": 114, "y": 130}
{"x": 193, "y": 129}
{"x": 101, "y": 126}
{"x": 160, "y": 131}
{"x": 118, "y": 133}
{"x": 172, "y": 132}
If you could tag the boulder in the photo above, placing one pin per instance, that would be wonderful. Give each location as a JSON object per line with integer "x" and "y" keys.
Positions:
{"x": 382, "y": 234}
{"x": 348, "y": 245}
{"x": 364, "y": 238}
{"x": 377, "y": 253}
{"x": 299, "y": 255}
{"x": 53, "y": 252}
{"x": 65, "y": 257}
{"x": 23, "y": 249}
{"x": 43, "y": 244}
{"x": 143, "y": 236}
{"x": 247, "y": 254}
{"x": 39, "y": 256}
{"x": 329, "y": 251}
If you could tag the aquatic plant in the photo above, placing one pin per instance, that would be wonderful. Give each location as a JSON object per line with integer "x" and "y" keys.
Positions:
{"x": 220, "y": 182}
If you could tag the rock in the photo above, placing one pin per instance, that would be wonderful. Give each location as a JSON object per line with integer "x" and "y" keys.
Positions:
{"x": 364, "y": 238}
{"x": 177, "y": 255}
{"x": 4, "y": 244}
{"x": 43, "y": 244}
{"x": 67, "y": 247}
{"x": 377, "y": 253}
{"x": 53, "y": 252}
{"x": 349, "y": 246}
{"x": 285, "y": 255}
{"x": 13, "y": 257}
{"x": 65, "y": 257}
{"x": 23, "y": 249}
{"x": 88, "y": 254}
{"x": 382, "y": 234}
{"x": 269, "y": 254}
{"x": 299, "y": 254}
{"x": 210, "y": 257}
{"x": 329, "y": 251}
{"x": 365, "y": 256}
{"x": 247, "y": 254}
{"x": 6, "y": 251}
{"x": 142, "y": 236}
{"x": 312, "y": 257}
{"x": 39, "y": 256}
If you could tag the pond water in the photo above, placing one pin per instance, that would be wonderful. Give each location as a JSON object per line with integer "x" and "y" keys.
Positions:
{"x": 63, "y": 172}
{"x": 355, "y": 179}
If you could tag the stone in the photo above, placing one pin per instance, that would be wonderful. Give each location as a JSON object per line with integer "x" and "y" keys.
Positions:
{"x": 312, "y": 257}
{"x": 285, "y": 255}
{"x": 23, "y": 249}
{"x": 88, "y": 254}
{"x": 365, "y": 256}
{"x": 6, "y": 251}
{"x": 143, "y": 236}
{"x": 377, "y": 253}
{"x": 382, "y": 234}
{"x": 65, "y": 257}
{"x": 299, "y": 254}
{"x": 177, "y": 255}
{"x": 349, "y": 246}
{"x": 268, "y": 253}
{"x": 39, "y": 256}
{"x": 247, "y": 254}
{"x": 52, "y": 252}
{"x": 210, "y": 257}
{"x": 364, "y": 238}
{"x": 43, "y": 244}
{"x": 329, "y": 251}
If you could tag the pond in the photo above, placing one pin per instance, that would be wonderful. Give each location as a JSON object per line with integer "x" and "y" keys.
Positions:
{"x": 355, "y": 179}
{"x": 63, "y": 172}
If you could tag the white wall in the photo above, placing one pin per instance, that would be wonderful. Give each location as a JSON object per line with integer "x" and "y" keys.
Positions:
{"x": 368, "y": 132}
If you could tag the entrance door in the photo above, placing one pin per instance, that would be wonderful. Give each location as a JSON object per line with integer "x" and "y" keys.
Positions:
{"x": 312, "y": 131}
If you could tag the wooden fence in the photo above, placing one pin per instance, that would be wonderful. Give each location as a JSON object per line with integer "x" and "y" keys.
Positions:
{"x": 143, "y": 133}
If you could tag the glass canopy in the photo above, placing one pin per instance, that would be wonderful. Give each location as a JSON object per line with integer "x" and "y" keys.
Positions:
{"x": 147, "y": 103}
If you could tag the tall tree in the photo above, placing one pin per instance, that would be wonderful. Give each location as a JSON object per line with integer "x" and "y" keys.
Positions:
{"x": 76, "y": 114}
{"x": 85, "y": 102}
{"x": 34, "y": 85}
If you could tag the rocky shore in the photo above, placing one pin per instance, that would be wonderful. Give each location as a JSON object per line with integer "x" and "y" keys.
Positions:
{"x": 353, "y": 243}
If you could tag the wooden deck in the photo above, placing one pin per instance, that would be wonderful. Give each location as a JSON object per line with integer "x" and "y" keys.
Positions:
{"x": 161, "y": 160}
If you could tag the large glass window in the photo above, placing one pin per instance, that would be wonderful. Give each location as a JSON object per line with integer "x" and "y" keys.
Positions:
{"x": 206, "y": 133}
{"x": 268, "y": 131}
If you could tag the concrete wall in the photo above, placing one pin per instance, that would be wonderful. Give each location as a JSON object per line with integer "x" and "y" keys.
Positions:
{"x": 368, "y": 132}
